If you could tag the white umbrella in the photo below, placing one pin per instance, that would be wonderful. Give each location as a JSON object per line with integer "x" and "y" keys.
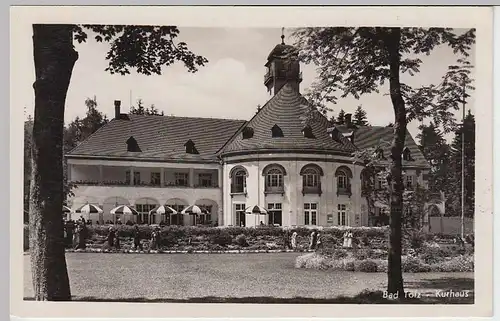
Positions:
{"x": 257, "y": 210}
{"x": 124, "y": 209}
{"x": 88, "y": 209}
{"x": 163, "y": 210}
{"x": 66, "y": 212}
{"x": 193, "y": 210}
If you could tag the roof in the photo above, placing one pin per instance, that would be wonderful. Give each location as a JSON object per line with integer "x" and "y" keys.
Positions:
{"x": 286, "y": 109}
{"x": 280, "y": 50}
{"x": 159, "y": 138}
{"x": 371, "y": 136}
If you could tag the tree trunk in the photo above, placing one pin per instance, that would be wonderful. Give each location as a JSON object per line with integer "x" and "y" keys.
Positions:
{"x": 54, "y": 58}
{"x": 394, "y": 273}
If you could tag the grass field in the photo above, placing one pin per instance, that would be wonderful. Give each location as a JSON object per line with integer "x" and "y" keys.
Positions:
{"x": 227, "y": 278}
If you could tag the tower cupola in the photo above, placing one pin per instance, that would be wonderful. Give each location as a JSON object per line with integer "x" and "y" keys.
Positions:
{"x": 282, "y": 67}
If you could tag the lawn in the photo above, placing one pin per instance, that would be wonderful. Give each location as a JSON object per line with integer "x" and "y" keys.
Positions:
{"x": 218, "y": 277}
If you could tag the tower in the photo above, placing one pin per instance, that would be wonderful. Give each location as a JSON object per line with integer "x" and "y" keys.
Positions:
{"x": 282, "y": 67}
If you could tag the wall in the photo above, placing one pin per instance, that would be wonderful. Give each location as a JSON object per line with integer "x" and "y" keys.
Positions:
{"x": 293, "y": 200}
{"x": 450, "y": 225}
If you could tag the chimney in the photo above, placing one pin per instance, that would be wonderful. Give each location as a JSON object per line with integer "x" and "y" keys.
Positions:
{"x": 117, "y": 109}
{"x": 347, "y": 120}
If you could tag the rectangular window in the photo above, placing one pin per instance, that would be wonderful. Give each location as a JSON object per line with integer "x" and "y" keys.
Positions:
{"x": 181, "y": 179}
{"x": 155, "y": 178}
{"x": 342, "y": 182}
{"x": 342, "y": 214}
{"x": 240, "y": 214}
{"x": 409, "y": 181}
{"x": 205, "y": 180}
{"x": 127, "y": 177}
{"x": 274, "y": 180}
{"x": 310, "y": 180}
{"x": 137, "y": 178}
{"x": 275, "y": 214}
{"x": 310, "y": 213}
{"x": 380, "y": 182}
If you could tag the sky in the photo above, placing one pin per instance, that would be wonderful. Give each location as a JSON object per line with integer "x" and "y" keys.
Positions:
{"x": 229, "y": 86}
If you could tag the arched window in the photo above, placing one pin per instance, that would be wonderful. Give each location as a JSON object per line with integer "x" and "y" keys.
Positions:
{"x": 343, "y": 175}
{"x": 238, "y": 180}
{"x": 311, "y": 179}
{"x": 274, "y": 174}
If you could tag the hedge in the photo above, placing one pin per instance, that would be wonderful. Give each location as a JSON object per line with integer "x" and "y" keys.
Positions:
{"x": 183, "y": 231}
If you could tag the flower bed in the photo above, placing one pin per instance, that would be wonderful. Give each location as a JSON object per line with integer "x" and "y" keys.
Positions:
{"x": 410, "y": 264}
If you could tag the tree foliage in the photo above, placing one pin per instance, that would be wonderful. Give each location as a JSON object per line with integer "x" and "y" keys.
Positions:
{"x": 357, "y": 61}
{"x": 141, "y": 110}
{"x": 341, "y": 117}
{"x": 454, "y": 186}
{"x": 145, "y": 49}
{"x": 437, "y": 152}
{"x": 359, "y": 117}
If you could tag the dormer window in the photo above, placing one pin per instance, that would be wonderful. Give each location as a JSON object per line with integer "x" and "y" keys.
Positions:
{"x": 379, "y": 153}
{"x": 247, "y": 132}
{"x": 132, "y": 145}
{"x": 190, "y": 148}
{"x": 308, "y": 133}
{"x": 407, "y": 154}
{"x": 276, "y": 131}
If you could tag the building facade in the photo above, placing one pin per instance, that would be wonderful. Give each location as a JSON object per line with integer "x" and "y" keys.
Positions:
{"x": 286, "y": 159}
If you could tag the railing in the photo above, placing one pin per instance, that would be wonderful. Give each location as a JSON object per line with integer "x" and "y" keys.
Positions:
{"x": 344, "y": 191}
{"x": 140, "y": 184}
{"x": 238, "y": 189}
{"x": 311, "y": 189}
{"x": 274, "y": 190}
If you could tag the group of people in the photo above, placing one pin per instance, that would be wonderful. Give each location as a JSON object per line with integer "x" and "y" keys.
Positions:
{"x": 76, "y": 233}
{"x": 315, "y": 241}
{"x": 113, "y": 240}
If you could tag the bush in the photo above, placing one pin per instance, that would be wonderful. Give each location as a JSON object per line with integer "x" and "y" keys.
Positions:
{"x": 431, "y": 255}
{"x": 462, "y": 263}
{"x": 222, "y": 239}
{"x": 363, "y": 254}
{"x": 241, "y": 240}
{"x": 413, "y": 264}
{"x": 368, "y": 266}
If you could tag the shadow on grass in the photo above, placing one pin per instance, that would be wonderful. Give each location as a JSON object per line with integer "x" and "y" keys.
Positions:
{"x": 365, "y": 297}
{"x": 447, "y": 283}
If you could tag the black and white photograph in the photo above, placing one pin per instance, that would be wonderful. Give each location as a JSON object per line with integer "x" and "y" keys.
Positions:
{"x": 287, "y": 163}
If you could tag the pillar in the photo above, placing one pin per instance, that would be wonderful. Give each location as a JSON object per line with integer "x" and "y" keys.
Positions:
{"x": 131, "y": 176}
{"x": 100, "y": 175}
{"x": 191, "y": 177}
{"x": 162, "y": 177}
{"x": 220, "y": 214}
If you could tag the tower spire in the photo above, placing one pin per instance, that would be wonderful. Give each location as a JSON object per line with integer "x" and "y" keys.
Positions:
{"x": 283, "y": 35}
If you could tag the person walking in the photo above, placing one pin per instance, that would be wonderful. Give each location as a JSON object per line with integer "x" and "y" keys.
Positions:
{"x": 349, "y": 239}
{"x": 137, "y": 239}
{"x": 294, "y": 241}
{"x": 319, "y": 244}
{"x": 117, "y": 240}
{"x": 111, "y": 237}
{"x": 286, "y": 239}
{"x": 313, "y": 239}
